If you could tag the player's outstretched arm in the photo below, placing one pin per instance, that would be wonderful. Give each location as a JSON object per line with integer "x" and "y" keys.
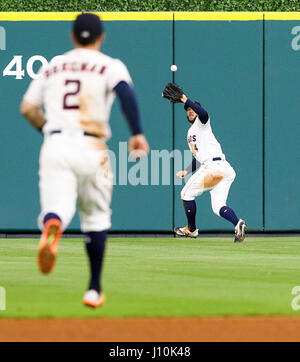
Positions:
{"x": 138, "y": 145}
{"x": 33, "y": 114}
{"x": 197, "y": 108}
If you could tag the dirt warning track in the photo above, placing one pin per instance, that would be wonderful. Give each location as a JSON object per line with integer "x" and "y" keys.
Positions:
{"x": 152, "y": 329}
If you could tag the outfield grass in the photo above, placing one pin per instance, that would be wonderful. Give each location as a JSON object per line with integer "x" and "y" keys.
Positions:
{"x": 156, "y": 277}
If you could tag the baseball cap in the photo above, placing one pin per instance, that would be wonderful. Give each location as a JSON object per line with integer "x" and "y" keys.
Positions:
{"x": 186, "y": 107}
{"x": 87, "y": 27}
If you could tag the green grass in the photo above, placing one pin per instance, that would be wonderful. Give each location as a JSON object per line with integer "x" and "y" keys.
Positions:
{"x": 149, "y": 5}
{"x": 156, "y": 277}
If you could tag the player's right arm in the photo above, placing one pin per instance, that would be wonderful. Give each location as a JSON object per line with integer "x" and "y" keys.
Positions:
{"x": 191, "y": 168}
{"x": 33, "y": 114}
{"x": 197, "y": 108}
{"x": 33, "y": 101}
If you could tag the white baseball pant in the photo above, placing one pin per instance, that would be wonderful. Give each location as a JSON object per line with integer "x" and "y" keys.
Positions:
{"x": 76, "y": 169}
{"x": 213, "y": 176}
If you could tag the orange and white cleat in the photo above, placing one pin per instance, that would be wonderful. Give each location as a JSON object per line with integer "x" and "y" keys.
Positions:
{"x": 48, "y": 245}
{"x": 93, "y": 299}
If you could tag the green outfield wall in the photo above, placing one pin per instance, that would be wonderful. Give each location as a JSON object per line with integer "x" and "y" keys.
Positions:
{"x": 242, "y": 67}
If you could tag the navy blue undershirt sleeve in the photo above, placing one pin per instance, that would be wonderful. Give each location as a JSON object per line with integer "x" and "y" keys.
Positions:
{"x": 129, "y": 106}
{"x": 193, "y": 166}
{"x": 203, "y": 115}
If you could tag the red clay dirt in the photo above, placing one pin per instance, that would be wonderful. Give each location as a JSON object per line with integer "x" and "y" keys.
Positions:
{"x": 152, "y": 329}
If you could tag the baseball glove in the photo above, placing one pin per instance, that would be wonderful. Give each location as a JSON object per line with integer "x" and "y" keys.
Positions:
{"x": 172, "y": 92}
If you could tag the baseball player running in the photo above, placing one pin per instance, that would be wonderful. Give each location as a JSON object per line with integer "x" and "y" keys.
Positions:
{"x": 77, "y": 90}
{"x": 213, "y": 172}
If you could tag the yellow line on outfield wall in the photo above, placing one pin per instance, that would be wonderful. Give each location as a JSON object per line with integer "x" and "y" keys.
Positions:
{"x": 236, "y": 16}
{"x": 65, "y": 16}
{"x": 219, "y": 16}
{"x": 152, "y": 16}
{"x": 282, "y": 16}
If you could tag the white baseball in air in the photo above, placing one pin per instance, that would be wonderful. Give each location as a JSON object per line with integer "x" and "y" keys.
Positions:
{"x": 173, "y": 68}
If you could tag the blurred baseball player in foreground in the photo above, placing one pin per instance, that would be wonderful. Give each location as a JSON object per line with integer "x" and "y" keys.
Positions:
{"x": 213, "y": 172}
{"x": 77, "y": 91}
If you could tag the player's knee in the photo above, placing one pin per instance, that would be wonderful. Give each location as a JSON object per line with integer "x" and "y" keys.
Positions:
{"x": 182, "y": 195}
{"x": 216, "y": 207}
{"x": 232, "y": 175}
{"x": 185, "y": 197}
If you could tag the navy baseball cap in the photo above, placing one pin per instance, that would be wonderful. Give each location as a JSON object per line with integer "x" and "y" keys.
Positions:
{"x": 186, "y": 107}
{"x": 87, "y": 27}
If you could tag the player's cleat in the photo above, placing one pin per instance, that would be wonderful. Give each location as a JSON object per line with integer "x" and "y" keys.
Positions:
{"x": 93, "y": 299}
{"x": 48, "y": 245}
{"x": 240, "y": 231}
{"x": 186, "y": 232}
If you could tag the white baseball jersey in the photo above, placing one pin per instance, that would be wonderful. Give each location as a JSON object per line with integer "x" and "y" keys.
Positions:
{"x": 214, "y": 176}
{"x": 76, "y": 90}
{"x": 202, "y": 142}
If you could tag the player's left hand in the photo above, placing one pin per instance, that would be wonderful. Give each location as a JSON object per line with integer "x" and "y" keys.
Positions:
{"x": 138, "y": 146}
{"x": 173, "y": 92}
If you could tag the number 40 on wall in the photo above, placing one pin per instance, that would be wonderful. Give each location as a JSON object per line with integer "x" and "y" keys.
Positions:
{"x": 15, "y": 66}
